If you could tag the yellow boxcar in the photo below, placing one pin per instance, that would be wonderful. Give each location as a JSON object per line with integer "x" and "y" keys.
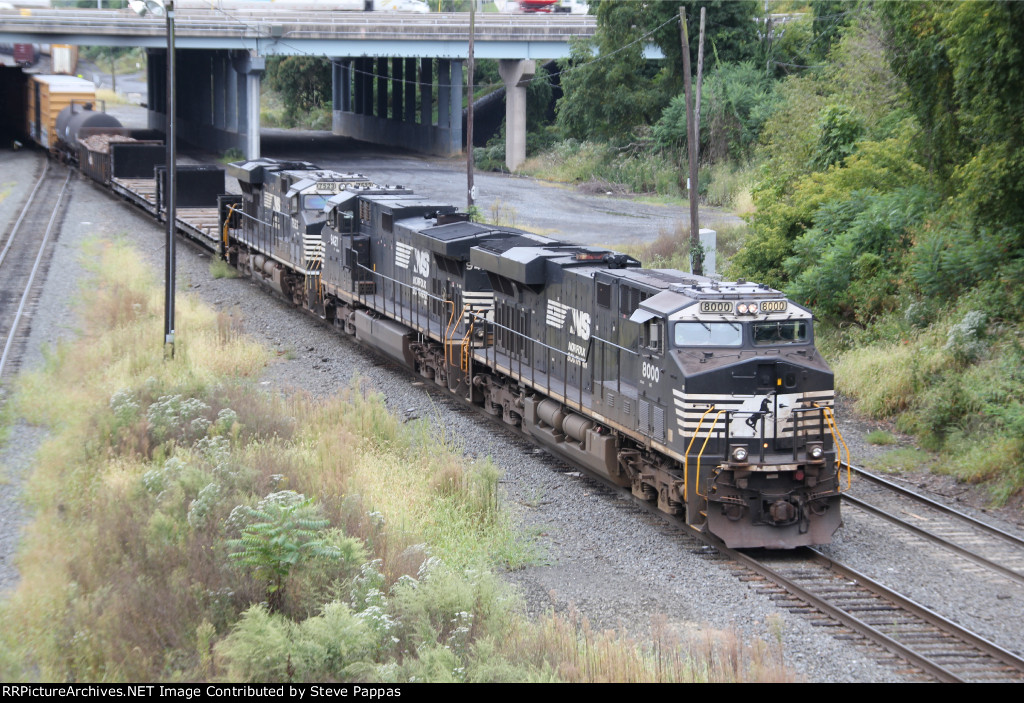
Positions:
{"x": 47, "y": 96}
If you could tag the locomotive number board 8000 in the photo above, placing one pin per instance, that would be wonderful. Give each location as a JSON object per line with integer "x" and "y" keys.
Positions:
{"x": 726, "y": 306}
{"x": 716, "y": 306}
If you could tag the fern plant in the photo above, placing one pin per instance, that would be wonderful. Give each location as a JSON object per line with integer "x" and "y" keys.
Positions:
{"x": 284, "y": 530}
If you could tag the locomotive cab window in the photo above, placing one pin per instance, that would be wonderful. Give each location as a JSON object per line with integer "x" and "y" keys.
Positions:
{"x": 314, "y": 202}
{"x": 782, "y": 332}
{"x": 708, "y": 334}
{"x": 652, "y": 335}
{"x": 343, "y": 222}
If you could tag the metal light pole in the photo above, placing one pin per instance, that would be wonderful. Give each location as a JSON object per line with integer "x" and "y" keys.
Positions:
{"x": 470, "y": 187}
{"x": 166, "y": 7}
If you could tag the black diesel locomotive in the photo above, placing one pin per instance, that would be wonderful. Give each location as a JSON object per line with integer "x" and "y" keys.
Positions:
{"x": 709, "y": 398}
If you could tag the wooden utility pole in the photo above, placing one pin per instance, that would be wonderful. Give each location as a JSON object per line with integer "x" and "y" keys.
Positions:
{"x": 469, "y": 110}
{"x": 700, "y": 79}
{"x": 696, "y": 260}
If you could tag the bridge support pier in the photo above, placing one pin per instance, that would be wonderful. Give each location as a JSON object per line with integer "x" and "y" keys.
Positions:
{"x": 374, "y": 100}
{"x": 516, "y": 73}
{"x": 218, "y": 98}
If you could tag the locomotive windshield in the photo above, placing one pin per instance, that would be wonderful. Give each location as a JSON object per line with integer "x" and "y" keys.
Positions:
{"x": 783, "y": 332}
{"x": 730, "y": 334}
{"x": 314, "y": 202}
{"x": 708, "y": 334}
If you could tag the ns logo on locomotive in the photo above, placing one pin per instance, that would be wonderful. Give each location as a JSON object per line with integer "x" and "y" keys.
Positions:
{"x": 708, "y": 398}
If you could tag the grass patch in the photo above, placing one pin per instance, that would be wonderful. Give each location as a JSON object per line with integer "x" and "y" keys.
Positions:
{"x": 502, "y": 214}
{"x": 219, "y": 268}
{"x": 728, "y": 185}
{"x": 109, "y": 97}
{"x": 188, "y": 526}
{"x": 900, "y": 460}
{"x": 952, "y": 378}
{"x": 606, "y": 168}
{"x": 880, "y": 438}
{"x": 232, "y": 154}
{"x": 643, "y": 170}
{"x": 671, "y": 250}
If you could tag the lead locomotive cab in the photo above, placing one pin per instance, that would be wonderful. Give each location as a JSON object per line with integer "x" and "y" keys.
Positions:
{"x": 753, "y": 404}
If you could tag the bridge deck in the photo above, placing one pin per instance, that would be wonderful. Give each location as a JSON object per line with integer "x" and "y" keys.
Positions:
{"x": 443, "y": 35}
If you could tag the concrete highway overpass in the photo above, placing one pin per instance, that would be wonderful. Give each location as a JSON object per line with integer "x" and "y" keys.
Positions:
{"x": 397, "y": 77}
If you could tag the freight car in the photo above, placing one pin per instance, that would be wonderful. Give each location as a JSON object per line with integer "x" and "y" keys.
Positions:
{"x": 708, "y": 398}
{"x": 48, "y": 96}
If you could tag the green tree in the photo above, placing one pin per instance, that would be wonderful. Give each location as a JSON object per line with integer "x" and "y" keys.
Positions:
{"x": 829, "y": 18}
{"x": 304, "y": 82}
{"x": 963, "y": 65}
{"x": 917, "y": 44}
{"x": 735, "y": 101}
{"x": 284, "y": 530}
{"x": 730, "y": 33}
{"x": 838, "y": 132}
{"x": 607, "y": 95}
{"x": 610, "y": 88}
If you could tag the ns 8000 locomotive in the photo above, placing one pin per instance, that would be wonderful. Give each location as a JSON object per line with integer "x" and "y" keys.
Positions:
{"x": 708, "y": 398}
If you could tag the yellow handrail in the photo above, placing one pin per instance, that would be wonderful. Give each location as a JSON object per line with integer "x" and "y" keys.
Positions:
{"x": 703, "y": 447}
{"x": 837, "y": 439}
{"x": 686, "y": 456}
{"x": 466, "y": 343}
{"x": 447, "y": 328}
{"x": 227, "y": 221}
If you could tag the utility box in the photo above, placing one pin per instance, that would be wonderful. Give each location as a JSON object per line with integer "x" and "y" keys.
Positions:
{"x": 709, "y": 243}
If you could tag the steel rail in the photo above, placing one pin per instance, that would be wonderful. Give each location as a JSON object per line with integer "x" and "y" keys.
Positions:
{"x": 980, "y": 643}
{"x": 24, "y": 211}
{"x": 837, "y": 613}
{"x": 935, "y": 505}
{"x": 931, "y": 536}
{"x": 35, "y": 270}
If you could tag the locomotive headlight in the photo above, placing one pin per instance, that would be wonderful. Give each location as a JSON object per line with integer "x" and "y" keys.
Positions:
{"x": 746, "y": 309}
{"x": 815, "y": 452}
{"x": 739, "y": 454}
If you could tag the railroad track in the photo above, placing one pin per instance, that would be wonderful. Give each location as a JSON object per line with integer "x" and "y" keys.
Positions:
{"x": 22, "y": 257}
{"x": 983, "y": 544}
{"x": 830, "y": 594}
{"x": 978, "y": 542}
